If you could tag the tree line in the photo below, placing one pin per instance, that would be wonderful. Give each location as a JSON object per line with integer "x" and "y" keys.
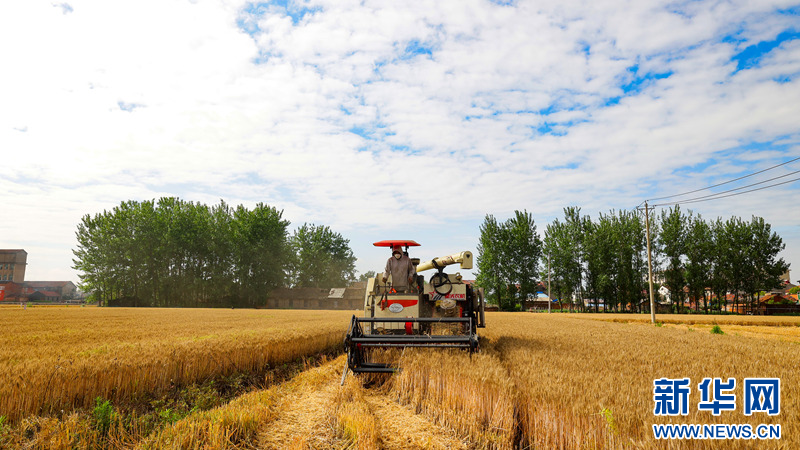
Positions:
{"x": 178, "y": 253}
{"x": 604, "y": 261}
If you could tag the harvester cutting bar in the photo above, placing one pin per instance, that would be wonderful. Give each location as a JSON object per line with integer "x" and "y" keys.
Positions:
{"x": 465, "y": 344}
{"x": 410, "y": 339}
{"x": 357, "y": 342}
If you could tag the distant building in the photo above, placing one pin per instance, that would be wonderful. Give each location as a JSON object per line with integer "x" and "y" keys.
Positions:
{"x": 44, "y": 296}
{"x": 12, "y": 265}
{"x": 771, "y": 304}
{"x": 64, "y": 289}
{"x": 11, "y": 292}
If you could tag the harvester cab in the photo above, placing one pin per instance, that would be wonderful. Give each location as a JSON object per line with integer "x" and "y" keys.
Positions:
{"x": 442, "y": 311}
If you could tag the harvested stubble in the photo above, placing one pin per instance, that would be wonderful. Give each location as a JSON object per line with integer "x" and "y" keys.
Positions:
{"x": 369, "y": 418}
{"x": 353, "y": 418}
{"x": 311, "y": 411}
{"x": 239, "y": 423}
{"x": 59, "y": 359}
{"x": 470, "y": 394}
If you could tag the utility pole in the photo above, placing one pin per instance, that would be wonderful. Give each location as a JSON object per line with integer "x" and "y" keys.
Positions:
{"x": 649, "y": 263}
{"x": 548, "y": 284}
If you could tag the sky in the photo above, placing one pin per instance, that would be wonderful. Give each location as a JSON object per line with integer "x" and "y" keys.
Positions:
{"x": 393, "y": 120}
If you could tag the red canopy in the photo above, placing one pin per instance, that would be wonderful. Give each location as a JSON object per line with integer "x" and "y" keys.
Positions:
{"x": 392, "y": 243}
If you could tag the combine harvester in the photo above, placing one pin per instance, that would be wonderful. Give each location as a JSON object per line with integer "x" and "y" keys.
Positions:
{"x": 443, "y": 312}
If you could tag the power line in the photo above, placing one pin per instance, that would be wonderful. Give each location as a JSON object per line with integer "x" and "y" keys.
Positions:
{"x": 692, "y": 200}
{"x": 727, "y": 182}
{"x": 701, "y": 199}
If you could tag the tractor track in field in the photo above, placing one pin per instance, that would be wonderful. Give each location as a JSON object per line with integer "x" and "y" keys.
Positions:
{"x": 314, "y": 412}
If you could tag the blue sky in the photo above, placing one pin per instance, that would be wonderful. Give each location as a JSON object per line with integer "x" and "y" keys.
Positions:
{"x": 385, "y": 120}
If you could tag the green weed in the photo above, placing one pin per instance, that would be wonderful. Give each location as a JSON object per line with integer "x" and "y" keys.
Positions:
{"x": 609, "y": 417}
{"x": 103, "y": 414}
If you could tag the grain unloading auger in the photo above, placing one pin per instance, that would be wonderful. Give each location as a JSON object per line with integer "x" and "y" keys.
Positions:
{"x": 442, "y": 312}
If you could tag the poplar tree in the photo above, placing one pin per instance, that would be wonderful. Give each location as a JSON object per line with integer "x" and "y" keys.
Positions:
{"x": 508, "y": 259}
{"x": 321, "y": 258}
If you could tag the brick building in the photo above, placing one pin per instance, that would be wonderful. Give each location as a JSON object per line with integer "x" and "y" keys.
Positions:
{"x": 12, "y": 265}
{"x": 11, "y": 292}
{"x": 15, "y": 289}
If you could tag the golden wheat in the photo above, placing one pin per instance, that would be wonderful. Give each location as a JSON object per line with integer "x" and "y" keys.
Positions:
{"x": 589, "y": 383}
{"x": 61, "y": 359}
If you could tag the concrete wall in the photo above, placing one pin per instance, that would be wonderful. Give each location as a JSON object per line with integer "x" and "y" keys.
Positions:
{"x": 315, "y": 298}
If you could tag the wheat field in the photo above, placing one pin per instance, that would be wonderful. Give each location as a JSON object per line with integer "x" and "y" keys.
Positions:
{"x": 540, "y": 381}
{"x": 60, "y": 359}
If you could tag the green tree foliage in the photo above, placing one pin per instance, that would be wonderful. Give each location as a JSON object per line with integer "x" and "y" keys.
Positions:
{"x": 367, "y": 275}
{"x": 177, "y": 253}
{"x": 524, "y": 250}
{"x": 260, "y": 252}
{"x": 606, "y": 259}
{"x": 600, "y": 261}
{"x": 672, "y": 244}
{"x": 557, "y": 248}
{"x": 508, "y": 259}
{"x": 765, "y": 268}
{"x": 490, "y": 260}
{"x": 564, "y": 247}
{"x": 632, "y": 259}
{"x": 322, "y": 258}
{"x": 615, "y": 260}
{"x": 698, "y": 267}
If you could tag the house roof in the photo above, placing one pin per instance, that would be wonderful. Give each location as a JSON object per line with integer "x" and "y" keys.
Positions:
{"x": 776, "y": 298}
{"x": 41, "y": 284}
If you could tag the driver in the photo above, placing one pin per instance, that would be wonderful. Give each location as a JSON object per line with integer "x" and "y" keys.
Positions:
{"x": 400, "y": 267}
